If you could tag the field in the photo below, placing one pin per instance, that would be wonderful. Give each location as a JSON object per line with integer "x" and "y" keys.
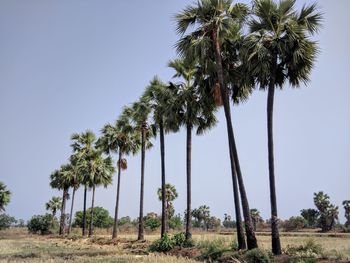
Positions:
{"x": 18, "y": 246}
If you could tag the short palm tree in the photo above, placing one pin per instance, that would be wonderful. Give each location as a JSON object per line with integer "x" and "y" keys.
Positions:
{"x": 61, "y": 180}
{"x": 214, "y": 22}
{"x": 53, "y": 205}
{"x": 101, "y": 172}
{"x": 118, "y": 138}
{"x": 279, "y": 49}
{"x": 193, "y": 110}
{"x": 170, "y": 195}
{"x": 159, "y": 97}
{"x": 83, "y": 149}
{"x": 5, "y": 196}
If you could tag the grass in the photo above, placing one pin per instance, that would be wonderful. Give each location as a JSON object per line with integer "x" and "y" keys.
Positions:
{"x": 21, "y": 247}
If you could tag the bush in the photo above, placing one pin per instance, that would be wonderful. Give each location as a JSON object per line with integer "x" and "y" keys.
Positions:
{"x": 257, "y": 255}
{"x": 101, "y": 219}
{"x": 294, "y": 223}
{"x": 310, "y": 249}
{"x": 163, "y": 244}
{"x": 212, "y": 250}
{"x": 179, "y": 240}
{"x": 6, "y": 221}
{"x": 40, "y": 224}
{"x": 175, "y": 222}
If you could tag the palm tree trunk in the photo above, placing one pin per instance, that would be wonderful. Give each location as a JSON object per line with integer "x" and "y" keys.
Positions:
{"x": 226, "y": 105}
{"x": 143, "y": 152}
{"x": 276, "y": 243}
{"x": 162, "y": 160}
{"x": 63, "y": 210}
{"x": 188, "y": 171}
{"x": 71, "y": 211}
{"x": 115, "y": 225}
{"x": 84, "y": 212}
{"x": 248, "y": 223}
{"x": 91, "y": 226}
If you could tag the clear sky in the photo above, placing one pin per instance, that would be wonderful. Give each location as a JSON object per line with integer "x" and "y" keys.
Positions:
{"x": 67, "y": 66}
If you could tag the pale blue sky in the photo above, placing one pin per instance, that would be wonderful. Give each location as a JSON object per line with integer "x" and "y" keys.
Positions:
{"x": 67, "y": 66}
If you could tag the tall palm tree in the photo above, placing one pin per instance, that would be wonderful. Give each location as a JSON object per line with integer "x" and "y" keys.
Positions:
{"x": 118, "y": 138}
{"x": 101, "y": 171}
{"x": 139, "y": 115}
{"x": 5, "y": 196}
{"x": 193, "y": 109}
{"x": 280, "y": 49}
{"x": 160, "y": 98}
{"x": 61, "y": 180}
{"x": 214, "y": 22}
{"x": 53, "y": 205}
{"x": 83, "y": 148}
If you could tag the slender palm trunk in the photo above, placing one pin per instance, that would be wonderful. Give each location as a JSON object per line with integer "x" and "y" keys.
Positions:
{"x": 162, "y": 160}
{"x": 91, "y": 226}
{"x": 188, "y": 171}
{"x": 143, "y": 153}
{"x": 71, "y": 211}
{"x": 63, "y": 211}
{"x": 84, "y": 212}
{"x": 226, "y": 104}
{"x": 53, "y": 218}
{"x": 248, "y": 223}
{"x": 115, "y": 225}
{"x": 276, "y": 243}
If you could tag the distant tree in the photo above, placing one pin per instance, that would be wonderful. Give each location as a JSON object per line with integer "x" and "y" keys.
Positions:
{"x": 228, "y": 222}
{"x": 124, "y": 220}
{"x": 311, "y": 216}
{"x": 346, "y": 204}
{"x": 40, "y": 224}
{"x": 294, "y": 223}
{"x": 53, "y": 205}
{"x": 6, "y": 221}
{"x": 256, "y": 218}
{"x": 170, "y": 195}
{"x": 152, "y": 222}
{"x": 5, "y": 196}
{"x": 101, "y": 218}
{"x": 202, "y": 215}
{"x": 213, "y": 223}
{"x": 176, "y": 222}
{"x": 328, "y": 212}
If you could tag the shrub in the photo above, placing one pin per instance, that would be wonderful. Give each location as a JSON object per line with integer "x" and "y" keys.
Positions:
{"x": 294, "y": 223}
{"x": 101, "y": 219}
{"x": 212, "y": 250}
{"x": 152, "y": 223}
{"x": 40, "y": 224}
{"x": 6, "y": 221}
{"x": 310, "y": 249}
{"x": 257, "y": 255}
{"x": 179, "y": 240}
{"x": 163, "y": 244}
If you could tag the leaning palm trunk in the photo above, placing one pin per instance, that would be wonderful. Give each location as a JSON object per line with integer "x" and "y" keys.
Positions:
{"x": 84, "y": 211}
{"x": 91, "y": 226}
{"x": 115, "y": 225}
{"x": 141, "y": 223}
{"x": 188, "y": 171}
{"x": 63, "y": 210}
{"x": 162, "y": 159}
{"x": 251, "y": 239}
{"x": 71, "y": 211}
{"x": 276, "y": 243}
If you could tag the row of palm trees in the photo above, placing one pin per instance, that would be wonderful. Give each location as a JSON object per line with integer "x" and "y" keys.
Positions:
{"x": 225, "y": 51}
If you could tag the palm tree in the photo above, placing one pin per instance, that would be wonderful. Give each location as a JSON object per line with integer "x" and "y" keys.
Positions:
{"x": 76, "y": 176}
{"x": 118, "y": 138}
{"x": 53, "y": 205}
{"x": 61, "y": 180}
{"x": 101, "y": 171}
{"x": 5, "y": 196}
{"x": 280, "y": 50}
{"x": 160, "y": 98}
{"x": 139, "y": 114}
{"x": 83, "y": 148}
{"x": 193, "y": 109}
{"x": 214, "y": 22}
{"x": 170, "y": 195}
